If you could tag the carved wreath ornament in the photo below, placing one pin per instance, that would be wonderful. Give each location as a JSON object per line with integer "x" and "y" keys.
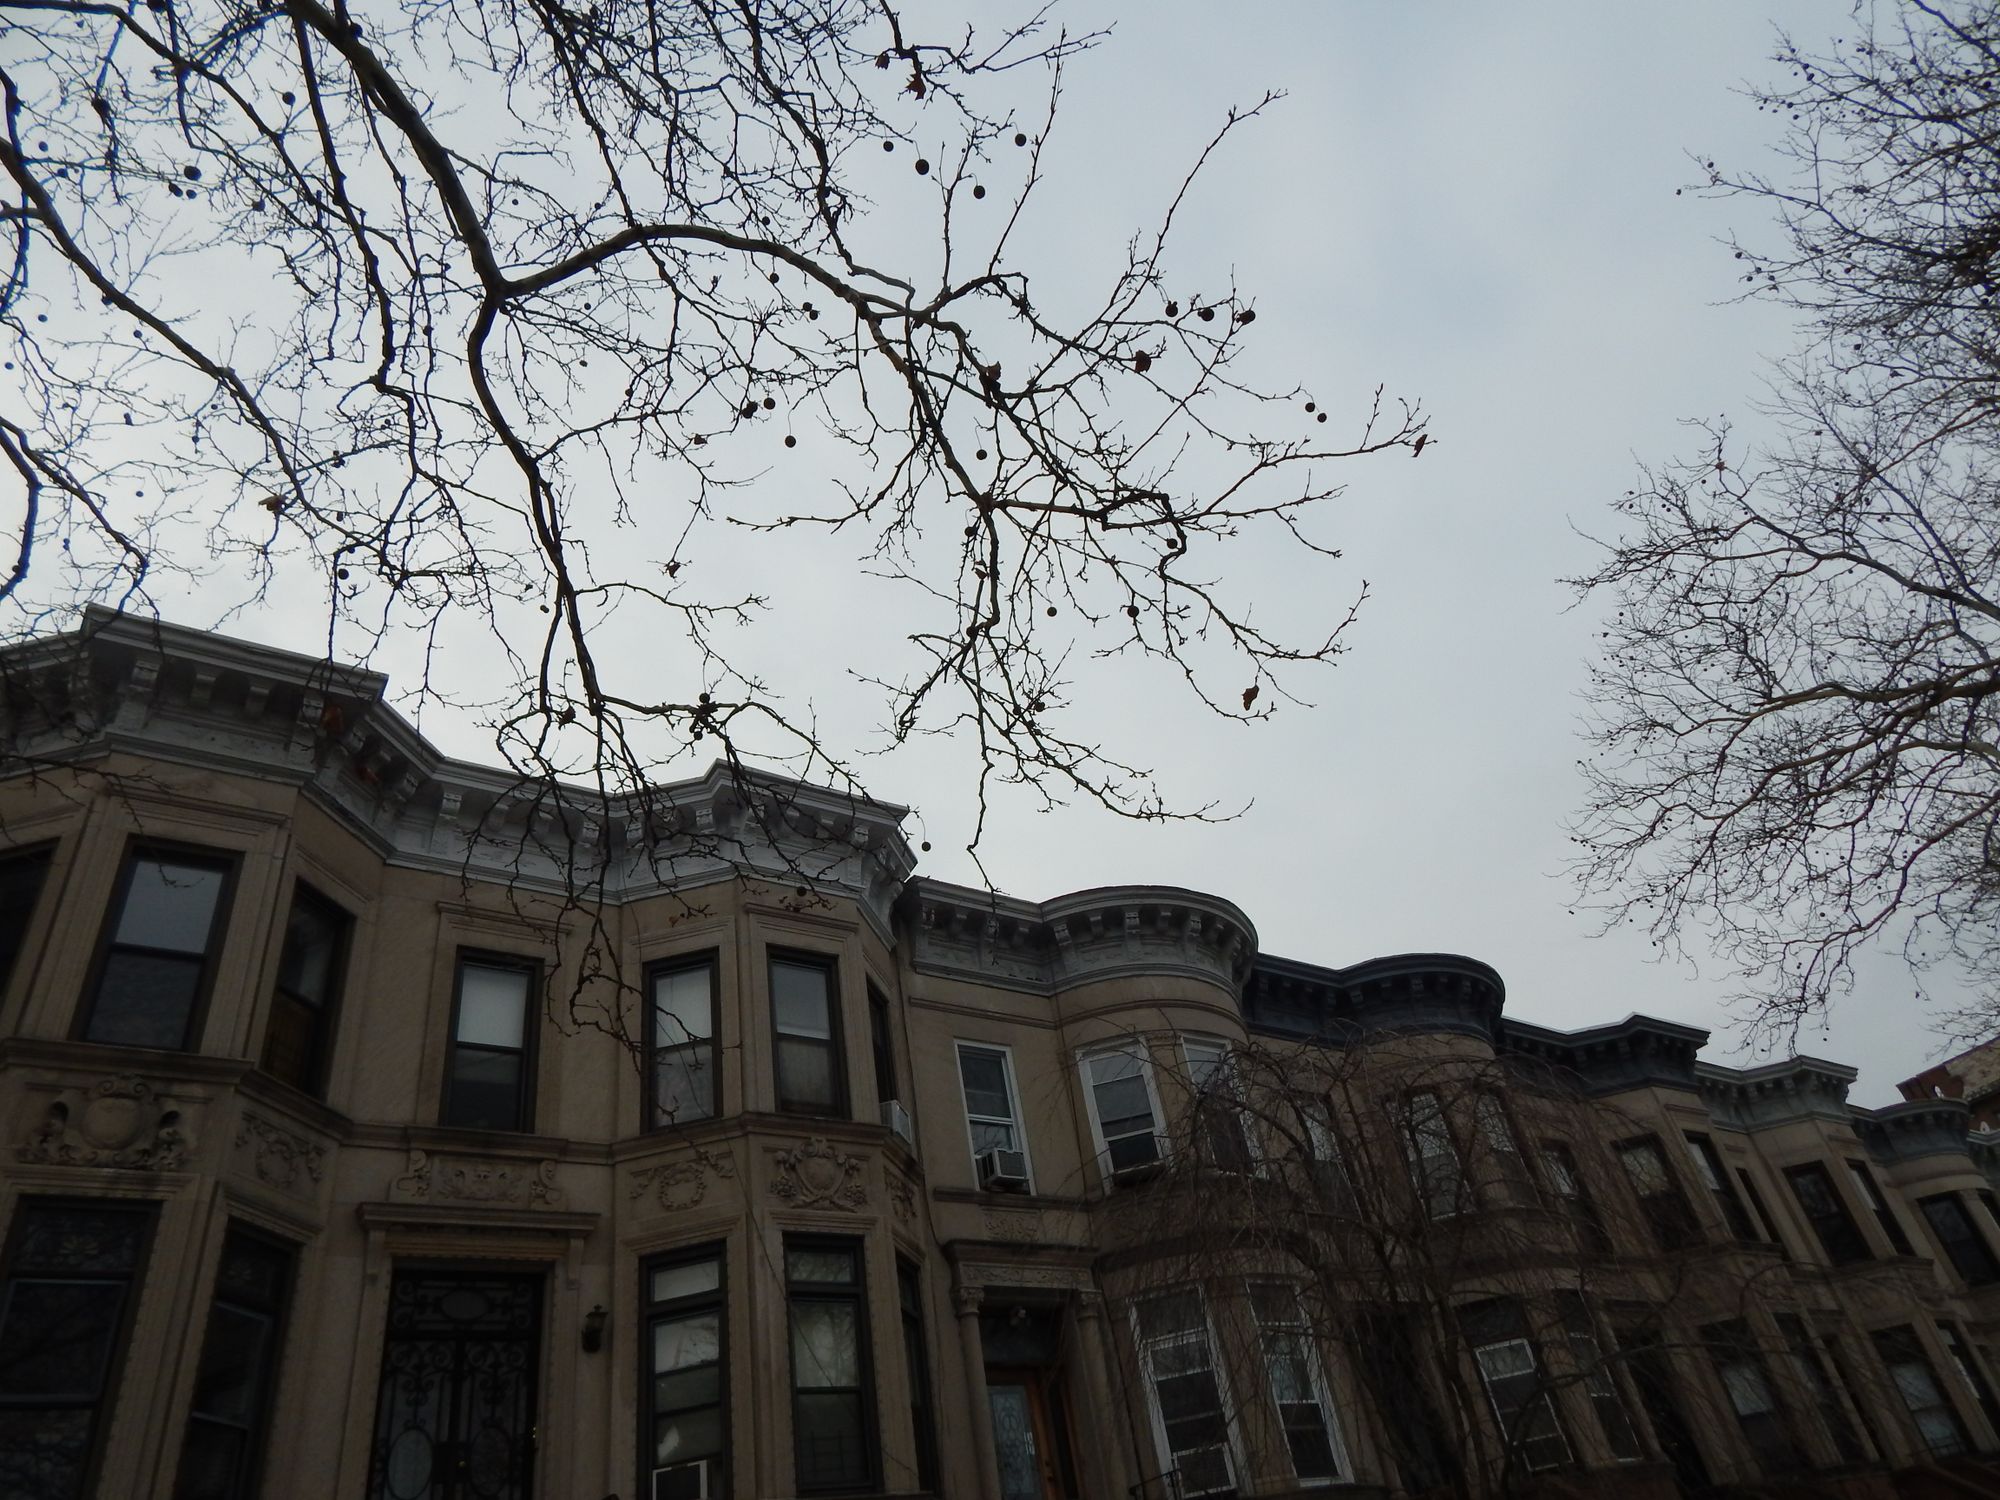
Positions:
{"x": 818, "y": 1174}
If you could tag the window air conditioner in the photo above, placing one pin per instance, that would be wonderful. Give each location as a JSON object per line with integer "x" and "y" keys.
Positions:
{"x": 1003, "y": 1171}
{"x": 682, "y": 1482}
{"x": 897, "y": 1118}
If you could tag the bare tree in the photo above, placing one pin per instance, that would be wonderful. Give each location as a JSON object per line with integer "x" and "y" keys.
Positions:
{"x": 1795, "y": 711}
{"x": 494, "y": 318}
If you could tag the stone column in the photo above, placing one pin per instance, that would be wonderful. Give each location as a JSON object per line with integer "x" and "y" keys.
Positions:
{"x": 1107, "y": 1411}
{"x": 967, "y": 1300}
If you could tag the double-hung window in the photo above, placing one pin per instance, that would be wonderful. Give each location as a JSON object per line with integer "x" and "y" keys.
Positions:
{"x": 1838, "y": 1234}
{"x": 160, "y": 948}
{"x": 1892, "y": 1227}
{"x": 1741, "y": 1369}
{"x": 1708, "y": 1166}
{"x": 1936, "y": 1419}
{"x": 1566, "y": 1180}
{"x": 1659, "y": 1193}
{"x": 805, "y": 1022}
{"x": 992, "y": 1109}
{"x": 1974, "y": 1379}
{"x": 1190, "y": 1412}
{"x": 1297, "y": 1382}
{"x": 1221, "y": 1138}
{"x": 299, "y": 1037}
{"x": 1123, "y": 1110}
{"x": 1960, "y": 1238}
{"x": 881, "y": 1043}
{"x": 833, "y": 1405}
{"x": 1499, "y": 1149}
{"x": 683, "y": 1055}
{"x": 1580, "y": 1331}
{"x": 229, "y": 1419}
{"x": 1812, "y": 1373}
{"x": 685, "y": 1438}
{"x": 490, "y": 1082}
{"x": 21, "y": 876}
{"x": 1515, "y": 1384}
{"x": 64, "y": 1314}
{"x": 1328, "y": 1187}
{"x": 917, "y": 1367}
{"x": 1434, "y": 1161}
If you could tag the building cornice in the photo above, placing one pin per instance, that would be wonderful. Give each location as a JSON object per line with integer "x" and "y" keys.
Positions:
{"x": 1796, "y": 1088}
{"x": 1405, "y": 992}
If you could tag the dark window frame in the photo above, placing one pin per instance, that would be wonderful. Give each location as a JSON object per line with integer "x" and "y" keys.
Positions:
{"x": 1559, "y": 1165}
{"x": 326, "y": 1014}
{"x": 1845, "y": 1245}
{"x": 529, "y": 1053}
{"x": 18, "y": 916}
{"x": 1772, "y": 1235}
{"x": 145, "y": 1210}
{"x": 882, "y": 1046}
{"x": 277, "y": 1316}
{"x": 1878, "y": 1205}
{"x": 1901, "y": 1344}
{"x": 650, "y": 1311}
{"x": 1970, "y": 1253}
{"x": 1522, "y": 1402}
{"x": 1714, "y": 1172}
{"x": 917, "y": 1369}
{"x": 230, "y": 863}
{"x": 1810, "y": 1368}
{"x": 1771, "y": 1435}
{"x": 842, "y": 1106}
{"x": 854, "y": 1294}
{"x": 680, "y": 963}
{"x": 1669, "y": 1216}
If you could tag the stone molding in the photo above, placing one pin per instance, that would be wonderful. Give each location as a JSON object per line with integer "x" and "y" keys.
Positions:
{"x": 116, "y": 1122}
{"x": 431, "y": 1178}
{"x": 279, "y": 1156}
{"x": 682, "y": 1185}
{"x": 818, "y": 1174}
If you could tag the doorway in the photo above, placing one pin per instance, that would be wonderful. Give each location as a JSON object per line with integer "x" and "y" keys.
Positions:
{"x": 455, "y": 1416}
{"x": 1030, "y": 1434}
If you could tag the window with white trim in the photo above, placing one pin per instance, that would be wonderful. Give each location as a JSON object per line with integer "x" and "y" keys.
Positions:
{"x": 992, "y": 1107}
{"x": 1124, "y": 1112}
{"x": 1501, "y": 1347}
{"x": 1184, "y": 1391}
{"x": 1220, "y": 1135}
{"x": 1297, "y": 1382}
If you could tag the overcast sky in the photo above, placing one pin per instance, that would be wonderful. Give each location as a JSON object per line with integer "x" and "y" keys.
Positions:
{"x": 1475, "y": 205}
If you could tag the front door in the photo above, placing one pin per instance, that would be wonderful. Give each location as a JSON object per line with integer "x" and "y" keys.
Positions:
{"x": 1027, "y": 1439}
{"x": 455, "y": 1418}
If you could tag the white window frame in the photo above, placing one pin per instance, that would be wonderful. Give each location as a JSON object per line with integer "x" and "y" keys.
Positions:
{"x": 1133, "y": 1047}
{"x": 1315, "y": 1373}
{"x": 1542, "y": 1395}
{"x": 1020, "y": 1124}
{"x": 1224, "y": 1056}
{"x": 1231, "y": 1452}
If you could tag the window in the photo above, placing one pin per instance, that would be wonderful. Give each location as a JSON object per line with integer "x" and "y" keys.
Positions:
{"x": 1573, "y": 1193}
{"x": 1122, "y": 1109}
{"x": 917, "y": 1367}
{"x": 833, "y": 1418}
{"x": 1748, "y": 1385}
{"x": 298, "y": 1040}
{"x": 64, "y": 1314}
{"x": 489, "y": 1083}
{"x": 1498, "y": 1334}
{"x": 1434, "y": 1163}
{"x": 1916, "y": 1382}
{"x": 805, "y": 1017}
{"x": 1327, "y": 1182}
{"x": 1715, "y": 1177}
{"x": 1642, "y": 1346}
{"x": 1892, "y": 1227}
{"x": 882, "y": 1044}
{"x": 685, "y": 1059}
{"x": 684, "y": 1438}
{"x": 1666, "y": 1211}
{"x": 1297, "y": 1382}
{"x": 1190, "y": 1416}
{"x": 1812, "y": 1373}
{"x": 1588, "y": 1355}
{"x": 1813, "y": 1186}
{"x": 230, "y": 1416}
{"x": 1764, "y": 1220}
{"x": 1499, "y": 1149}
{"x": 159, "y": 949}
{"x": 1960, "y": 1354}
{"x": 21, "y": 876}
{"x": 1960, "y": 1239}
{"x": 1216, "y": 1114}
{"x": 992, "y": 1113}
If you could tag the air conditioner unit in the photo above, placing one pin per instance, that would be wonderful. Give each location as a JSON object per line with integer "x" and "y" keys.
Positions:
{"x": 1003, "y": 1171}
{"x": 897, "y": 1118}
{"x": 682, "y": 1481}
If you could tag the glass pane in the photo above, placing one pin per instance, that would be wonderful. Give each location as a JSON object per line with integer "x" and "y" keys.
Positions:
{"x": 1108, "y": 1067}
{"x": 990, "y": 1136}
{"x": 170, "y": 905}
{"x": 687, "y": 1280}
{"x": 1647, "y": 1168}
{"x": 698, "y": 1385}
{"x": 832, "y": 1443}
{"x": 1498, "y": 1361}
{"x": 683, "y": 1084}
{"x": 688, "y": 1435}
{"x": 312, "y": 942}
{"x": 695, "y": 1339}
{"x": 984, "y": 1075}
{"x": 211, "y": 1459}
{"x": 805, "y": 1073}
{"x": 145, "y": 1000}
{"x": 43, "y": 1454}
{"x": 1204, "y": 1064}
{"x": 485, "y": 1090}
{"x": 799, "y": 999}
{"x": 57, "y": 1337}
{"x": 492, "y": 1005}
{"x": 1133, "y": 1151}
{"x": 232, "y": 1358}
{"x": 816, "y": 1263}
{"x": 289, "y": 1041}
{"x": 681, "y": 1006}
{"x": 826, "y": 1345}
{"x": 1124, "y": 1105}
{"x": 1014, "y": 1443}
{"x": 1203, "y": 1470}
{"x": 1179, "y": 1312}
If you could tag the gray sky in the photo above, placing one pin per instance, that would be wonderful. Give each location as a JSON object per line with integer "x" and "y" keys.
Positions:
{"x": 1476, "y": 206}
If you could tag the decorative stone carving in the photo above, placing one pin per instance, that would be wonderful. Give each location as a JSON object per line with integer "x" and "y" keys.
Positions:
{"x": 683, "y": 1184}
{"x": 1054, "y": 1278}
{"x": 118, "y": 1122}
{"x": 818, "y": 1174}
{"x": 903, "y": 1198}
{"x": 1012, "y": 1224}
{"x": 432, "y": 1178}
{"x": 278, "y": 1155}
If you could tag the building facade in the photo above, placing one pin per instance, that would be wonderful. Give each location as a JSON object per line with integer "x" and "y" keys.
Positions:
{"x": 383, "y": 1127}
